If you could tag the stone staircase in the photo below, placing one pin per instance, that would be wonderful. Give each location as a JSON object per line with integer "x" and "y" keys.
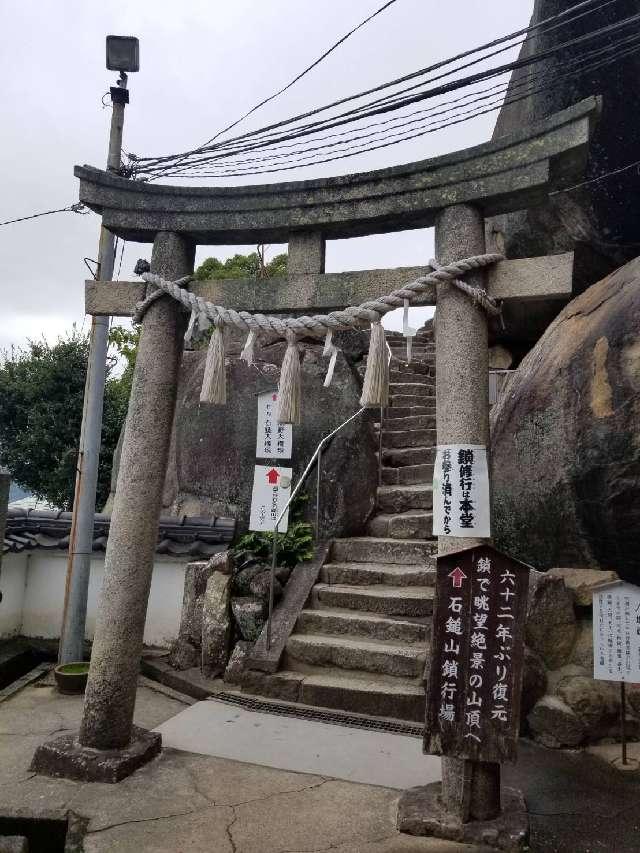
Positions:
{"x": 360, "y": 645}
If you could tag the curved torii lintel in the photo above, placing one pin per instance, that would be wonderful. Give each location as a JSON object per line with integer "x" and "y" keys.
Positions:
{"x": 501, "y": 176}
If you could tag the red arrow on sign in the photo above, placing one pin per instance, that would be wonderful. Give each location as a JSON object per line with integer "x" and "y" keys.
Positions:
{"x": 457, "y": 576}
{"x": 273, "y": 476}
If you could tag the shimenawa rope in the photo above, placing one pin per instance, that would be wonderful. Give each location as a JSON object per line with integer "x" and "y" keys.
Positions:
{"x": 376, "y": 381}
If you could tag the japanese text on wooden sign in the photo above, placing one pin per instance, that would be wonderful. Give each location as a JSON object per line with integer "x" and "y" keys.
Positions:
{"x": 461, "y": 491}
{"x": 271, "y": 491}
{"x": 273, "y": 440}
{"x": 475, "y": 679}
{"x": 616, "y": 632}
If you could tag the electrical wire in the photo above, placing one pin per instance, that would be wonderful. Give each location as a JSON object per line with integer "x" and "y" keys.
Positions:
{"x": 490, "y": 73}
{"x": 498, "y": 104}
{"x": 577, "y": 66}
{"x": 397, "y": 100}
{"x": 72, "y": 208}
{"x": 421, "y": 72}
{"x": 302, "y": 73}
{"x": 598, "y": 178}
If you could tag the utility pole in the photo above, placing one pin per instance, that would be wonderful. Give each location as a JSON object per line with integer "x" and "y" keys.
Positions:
{"x": 122, "y": 55}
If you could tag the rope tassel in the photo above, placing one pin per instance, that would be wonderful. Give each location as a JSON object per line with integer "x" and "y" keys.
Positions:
{"x": 375, "y": 389}
{"x": 289, "y": 390}
{"x": 214, "y": 381}
{"x": 248, "y": 350}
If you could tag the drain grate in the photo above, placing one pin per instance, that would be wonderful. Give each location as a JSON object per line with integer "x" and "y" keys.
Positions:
{"x": 337, "y": 718}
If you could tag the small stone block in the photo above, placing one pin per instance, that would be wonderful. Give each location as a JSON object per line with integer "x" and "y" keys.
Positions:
{"x": 420, "y": 812}
{"x": 14, "y": 844}
{"x": 65, "y": 757}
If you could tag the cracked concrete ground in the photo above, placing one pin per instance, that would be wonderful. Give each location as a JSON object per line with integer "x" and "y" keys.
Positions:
{"x": 189, "y": 802}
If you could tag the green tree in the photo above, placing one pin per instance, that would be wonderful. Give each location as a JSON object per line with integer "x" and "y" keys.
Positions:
{"x": 242, "y": 266}
{"x": 41, "y": 399}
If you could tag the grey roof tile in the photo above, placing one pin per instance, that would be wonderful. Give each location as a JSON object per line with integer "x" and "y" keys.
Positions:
{"x": 192, "y": 536}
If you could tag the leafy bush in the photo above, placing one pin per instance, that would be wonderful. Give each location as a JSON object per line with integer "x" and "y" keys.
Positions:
{"x": 41, "y": 399}
{"x": 295, "y": 546}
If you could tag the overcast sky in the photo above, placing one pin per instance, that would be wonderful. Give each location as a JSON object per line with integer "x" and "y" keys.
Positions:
{"x": 202, "y": 64}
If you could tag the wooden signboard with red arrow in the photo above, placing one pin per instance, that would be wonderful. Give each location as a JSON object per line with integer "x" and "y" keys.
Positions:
{"x": 475, "y": 678}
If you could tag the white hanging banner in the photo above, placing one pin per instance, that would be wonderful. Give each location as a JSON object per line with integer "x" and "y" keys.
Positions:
{"x": 271, "y": 491}
{"x": 461, "y": 491}
{"x": 273, "y": 440}
{"x": 616, "y": 632}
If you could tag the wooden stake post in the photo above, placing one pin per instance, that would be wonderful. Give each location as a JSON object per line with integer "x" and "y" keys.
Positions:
{"x": 475, "y": 679}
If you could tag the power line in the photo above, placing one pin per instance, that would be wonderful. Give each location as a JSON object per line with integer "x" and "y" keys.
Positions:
{"x": 577, "y": 66}
{"x": 598, "y": 178}
{"x": 72, "y": 208}
{"x": 456, "y": 120}
{"x": 302, "y": 73}
{"x": 154, "y": 164}
{"x": 203, "y": 160}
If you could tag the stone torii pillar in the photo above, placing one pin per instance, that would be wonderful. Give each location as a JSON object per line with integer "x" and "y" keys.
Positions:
{"x": 109, "y": 746}
{"x": 470, "y": 789}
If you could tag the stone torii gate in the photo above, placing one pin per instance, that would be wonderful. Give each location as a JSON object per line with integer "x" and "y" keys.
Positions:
{"x": 454, "y": 193}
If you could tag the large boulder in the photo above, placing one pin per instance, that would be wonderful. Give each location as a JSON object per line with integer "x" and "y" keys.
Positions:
{"x": 553, "y": 723}
{"x": 534, "y": 681}
{"x": 551, "y": 628}
{"x": 213, "y": 450}
{"x": 596, "y": 703}
{"x": 564, "y": 438}
{"x": 582, "y": 582}
{"x": 597, "y": 220}
{"x": 216, "y": 625}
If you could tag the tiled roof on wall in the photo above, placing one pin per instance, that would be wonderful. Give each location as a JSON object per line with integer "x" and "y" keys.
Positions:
{"x": 179, "y": 536}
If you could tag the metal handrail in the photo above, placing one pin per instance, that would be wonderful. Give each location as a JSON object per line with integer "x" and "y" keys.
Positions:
{"x": 317, "y": 454}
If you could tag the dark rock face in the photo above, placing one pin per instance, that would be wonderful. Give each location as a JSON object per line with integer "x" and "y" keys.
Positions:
{"x": 213, "y": 449}
{"x": 551, "y": 626}
{"x": 565, "y": 446}
{"x": 534, "y": 681}
{"x": 597, "y": 221}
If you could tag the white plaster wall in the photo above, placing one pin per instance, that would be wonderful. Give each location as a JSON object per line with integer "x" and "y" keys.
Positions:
{"x": 13, "y": 581}
{"x": 43, "y": 596}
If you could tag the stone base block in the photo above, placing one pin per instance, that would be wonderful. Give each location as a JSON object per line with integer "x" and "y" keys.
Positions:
{"x": 67, "y": 758}
{"x": 420, "y": 812}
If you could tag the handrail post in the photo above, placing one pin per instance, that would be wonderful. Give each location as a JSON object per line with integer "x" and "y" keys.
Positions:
{"x": 274, "y": 552}
{"x": 319, "y": 464}
{"x": 274, "y": 560}
{"x": 380, "y": 447}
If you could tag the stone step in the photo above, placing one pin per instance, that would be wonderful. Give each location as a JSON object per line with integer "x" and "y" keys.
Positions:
{"x": 390, "y": 600}
{"x": 414, "y": 389}
{"x": 400, "y": 456}
{"x": 366, "y": 574}
{"x": 407, "y": 474}
{"x": 416, "y": 346}
{"x": 402, "y": 498}
{"x": 418, "y": 369}
{"x": 397, "y": 377}
{"x": 344, "y": 690}
{"x": 370, "y": 549}
{"x": 405, "y": 400}
{"x": 410, "y": 422}
{"x": 393, "y": 412}
{"x": 403, "y": 525}
{"x": 397, "y": 659}
{"x": 334, "y": 621}
{"x": 407, "y": 438}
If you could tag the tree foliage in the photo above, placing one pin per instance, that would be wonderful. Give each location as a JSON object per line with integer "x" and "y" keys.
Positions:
{"x": 242, "y": 266}
{"x": 42, "y": 393}
{"x": 41, "y": 400}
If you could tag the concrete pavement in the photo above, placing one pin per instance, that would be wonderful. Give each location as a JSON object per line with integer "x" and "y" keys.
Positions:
{"x": 198, "y": 803}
